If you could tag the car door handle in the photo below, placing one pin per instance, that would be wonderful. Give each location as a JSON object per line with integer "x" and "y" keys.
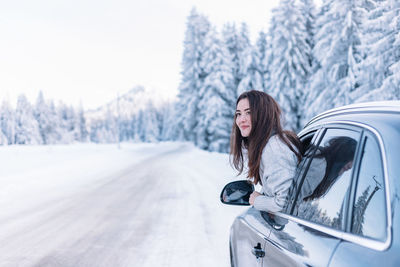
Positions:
{"x": 258, "y": 252}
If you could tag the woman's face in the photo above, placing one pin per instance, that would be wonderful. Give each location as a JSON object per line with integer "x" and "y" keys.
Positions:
{"x": 243, "y": 117}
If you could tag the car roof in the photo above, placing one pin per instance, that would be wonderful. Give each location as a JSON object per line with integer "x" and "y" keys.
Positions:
{"x": 358, "y": 112}
{"x": 382, "y": 117}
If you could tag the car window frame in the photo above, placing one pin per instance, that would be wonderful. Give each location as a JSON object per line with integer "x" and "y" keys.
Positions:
{"x": 316, "y": 139}
{"x": 357, "y": 168}
{"x": 304, "y": 165}
{"x": 363, "y": 241}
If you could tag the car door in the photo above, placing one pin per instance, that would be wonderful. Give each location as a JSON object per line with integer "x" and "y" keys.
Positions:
{"x": 247, "y": 239}
{"x": 307, "y": 232}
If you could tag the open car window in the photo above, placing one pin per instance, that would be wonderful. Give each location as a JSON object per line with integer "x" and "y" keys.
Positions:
{"x": 308, "y": 147}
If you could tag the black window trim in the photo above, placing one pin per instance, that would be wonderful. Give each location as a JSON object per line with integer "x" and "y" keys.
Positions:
{"x": 315, "y": 133}
{"x": 378, "y": 245}
{"x": 317, "y": 139}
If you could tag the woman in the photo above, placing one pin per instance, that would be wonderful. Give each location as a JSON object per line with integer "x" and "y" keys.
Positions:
{"x": 270, "y": 153}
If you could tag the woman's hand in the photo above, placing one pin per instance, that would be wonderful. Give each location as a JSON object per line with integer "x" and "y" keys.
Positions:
{"x": 253, "y": 197}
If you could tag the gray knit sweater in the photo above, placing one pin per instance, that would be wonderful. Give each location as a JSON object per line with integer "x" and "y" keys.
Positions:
{"x": 277, "y": 169}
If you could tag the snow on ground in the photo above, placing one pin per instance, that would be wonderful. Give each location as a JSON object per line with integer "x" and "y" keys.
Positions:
{"x": 31, "y": 174}
{"x": 197, "y": 235}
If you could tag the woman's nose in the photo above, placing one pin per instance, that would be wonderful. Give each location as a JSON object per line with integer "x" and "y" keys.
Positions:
{"x": 243, "y": 118}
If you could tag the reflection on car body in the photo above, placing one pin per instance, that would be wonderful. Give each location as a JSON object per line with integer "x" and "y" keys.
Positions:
{"x": 342, "y": 208}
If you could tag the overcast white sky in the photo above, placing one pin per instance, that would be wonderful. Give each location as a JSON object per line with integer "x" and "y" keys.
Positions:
{"x": 90, "y": 50}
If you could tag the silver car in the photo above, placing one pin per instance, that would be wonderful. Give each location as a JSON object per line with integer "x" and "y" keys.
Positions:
{"x": 343, "y": 205}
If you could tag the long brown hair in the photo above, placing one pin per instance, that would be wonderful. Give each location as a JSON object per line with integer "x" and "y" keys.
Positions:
{"x": 337, "y": 153}
{"x": 265, "y": 116}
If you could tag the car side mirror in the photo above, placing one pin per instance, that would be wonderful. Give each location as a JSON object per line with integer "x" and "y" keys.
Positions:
{"x": 237, "y": 193}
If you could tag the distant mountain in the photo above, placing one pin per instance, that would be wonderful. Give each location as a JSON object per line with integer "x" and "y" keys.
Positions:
{"x": 128, "y": 104}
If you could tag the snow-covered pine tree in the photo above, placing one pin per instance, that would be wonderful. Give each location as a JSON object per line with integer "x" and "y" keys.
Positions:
{"x": 110, "y": 129}
{"x": 368, "y": 76}
{"x": 338, "y": 53}
{"x": 140, "y": 126}
{"x": 381, "y": 65}
{"x": 104, "y": 130}
{"x": 3, "y": 139}
{"x": 94, "y": 132}
{"x": 262, "y": 51}
{"x": 151, "y": 125}
{"x": 134, "y": 126}
{"x": 251, "y": 76}
{"x": 45, "y": 121}
{"x": 125, "y": 130}
{"x": 67, "y": 123}
{"x": 26, "y": 126}
{"x": 316, "y": 82}
{"x": 217, "y": 102}
{"x": 161, "y": 114}
{"x": 56, "y": 135}
{"x": 63, "y": 117}
{"x": 169, "y": 129}
{"x": 193, "y": 74}
{"x": 290, "y": 60}
{"x": 7, "y": 123}
{"x": 359, "y": 212}
{"x": 82, "y": 132}
{"x": 237, "y": 45}
{"x": 391, "y": 85}
{"x": 307, "y": 7}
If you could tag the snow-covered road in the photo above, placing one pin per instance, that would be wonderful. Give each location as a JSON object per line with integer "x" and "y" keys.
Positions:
{"x": 142, "y": 205}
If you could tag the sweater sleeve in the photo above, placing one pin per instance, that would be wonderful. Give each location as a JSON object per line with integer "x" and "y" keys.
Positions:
{"x": 279, "y": 167}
